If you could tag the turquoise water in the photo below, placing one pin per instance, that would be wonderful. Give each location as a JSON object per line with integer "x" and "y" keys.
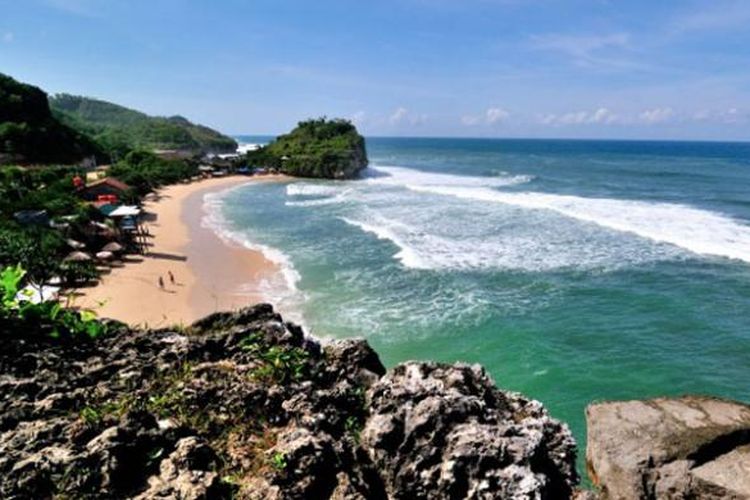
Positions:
{"x": 574, "y": 271}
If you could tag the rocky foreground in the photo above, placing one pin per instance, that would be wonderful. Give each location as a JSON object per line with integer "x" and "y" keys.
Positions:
{"x": 244, "y": 406}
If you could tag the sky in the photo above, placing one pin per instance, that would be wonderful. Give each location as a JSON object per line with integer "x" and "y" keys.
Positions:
{"x": 627, "y": 69}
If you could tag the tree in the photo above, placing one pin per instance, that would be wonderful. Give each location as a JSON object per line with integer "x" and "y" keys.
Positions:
{"x": 38, "y": 250}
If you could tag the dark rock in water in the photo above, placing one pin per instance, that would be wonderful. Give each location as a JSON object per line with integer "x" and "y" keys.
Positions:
{"x": 680, "y": 448}
{"x": 243, "y": 405}
{"x": 442, "y": 431}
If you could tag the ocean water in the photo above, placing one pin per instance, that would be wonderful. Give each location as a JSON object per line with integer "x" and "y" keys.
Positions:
{"x": 574, "y": 271}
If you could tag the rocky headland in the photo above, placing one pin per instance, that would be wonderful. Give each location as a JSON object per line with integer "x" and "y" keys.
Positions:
{"x": 244, "y": 405}
{"x": 319, "y": 148}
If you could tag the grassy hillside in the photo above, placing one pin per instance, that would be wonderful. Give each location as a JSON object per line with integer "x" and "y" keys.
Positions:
{"x": 120, "y": 129}
{"x": 29, "y": 133}
{"x": 323, "y": 148}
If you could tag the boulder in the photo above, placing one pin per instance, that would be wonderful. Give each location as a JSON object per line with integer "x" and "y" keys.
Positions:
{"x": 687, "y": 447}
{"x": 445, "y": 431}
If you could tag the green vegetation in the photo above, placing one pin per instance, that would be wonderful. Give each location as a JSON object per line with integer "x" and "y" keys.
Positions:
{"x": 331, "y": 149}
{"x": 66, "y": 129}
{"x": 38, "y": 248}
{"x": 278, "y": 461}
{"x": 277, "y": 364}
{"x": 120, "y": 130}
{"x": 44, "y": 318}
{"x": 30, "y": 134}
{"x": 144, "y": 171}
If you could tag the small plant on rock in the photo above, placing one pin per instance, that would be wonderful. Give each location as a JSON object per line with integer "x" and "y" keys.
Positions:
{"x": 278, "y": 461}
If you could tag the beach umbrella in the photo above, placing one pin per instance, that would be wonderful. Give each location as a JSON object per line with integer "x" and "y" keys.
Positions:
{"x": 75, "y": 244}
{"x": 77, "y": 256}
{"x": 112, "y": 247}
{"x": 104, "y": 255}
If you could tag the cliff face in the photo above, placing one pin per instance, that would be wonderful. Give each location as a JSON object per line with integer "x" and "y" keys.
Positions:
{"x": 243, "y": 405}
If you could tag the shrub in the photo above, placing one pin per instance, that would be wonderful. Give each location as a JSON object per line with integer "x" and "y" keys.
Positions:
{"x": 46, "y": 317}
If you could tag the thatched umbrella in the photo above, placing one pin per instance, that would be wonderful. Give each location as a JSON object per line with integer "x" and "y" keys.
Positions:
{"x": 113, "y": 247}
{"x": 77, "y": 245}
{"x": 77, "y": 256}
{"x": 104, "y": 255}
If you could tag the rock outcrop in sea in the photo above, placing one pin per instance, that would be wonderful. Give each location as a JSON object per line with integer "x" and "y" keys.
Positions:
{"x": 691, "y": 447}
{"x": 243, "y": 405}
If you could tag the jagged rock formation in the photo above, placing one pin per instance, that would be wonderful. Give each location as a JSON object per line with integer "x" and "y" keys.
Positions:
{"x": 243, "y": 405}
{"x": 670, "y": 448}
{"x": 438, "y": 431}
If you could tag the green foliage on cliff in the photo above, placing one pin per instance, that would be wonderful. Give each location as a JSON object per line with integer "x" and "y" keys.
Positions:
{"x": 324, "y": 148}
{"x": 145, "y": 171}
{"x": 120, "y": 129}
{"x": 29, "y": 133}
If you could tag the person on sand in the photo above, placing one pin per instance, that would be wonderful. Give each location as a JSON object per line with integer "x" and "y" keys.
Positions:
{"x": 161, "y": 282}
{"x": 171, "y": 277}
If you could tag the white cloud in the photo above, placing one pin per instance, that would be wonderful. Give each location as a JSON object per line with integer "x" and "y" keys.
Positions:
{"x": 496, "y": 115}
{"x": 399, "y": 115}
{"x": 8, "y": 37}
{"x": 492, "y": 116}
{"x": 598, "y": 116}
{"x": 656, "y": 115}
{"x": 728, "y": 116}
{"x": 403, "y": 116}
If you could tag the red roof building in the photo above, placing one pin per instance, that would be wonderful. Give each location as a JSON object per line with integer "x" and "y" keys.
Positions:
{"x": 104, "y": 189}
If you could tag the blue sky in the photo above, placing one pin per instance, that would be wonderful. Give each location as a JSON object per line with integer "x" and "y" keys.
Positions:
{"x": 477, "y": 68}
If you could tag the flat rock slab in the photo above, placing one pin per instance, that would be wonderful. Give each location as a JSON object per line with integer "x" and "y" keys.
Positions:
{"x": 687, "y": 447}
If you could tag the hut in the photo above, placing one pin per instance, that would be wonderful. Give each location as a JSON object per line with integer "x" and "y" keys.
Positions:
{"x": 108, "y": 188}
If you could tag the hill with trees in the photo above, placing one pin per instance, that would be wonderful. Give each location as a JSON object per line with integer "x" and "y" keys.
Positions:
{"x": 331, "y": 149}
{"x": 120, "y": 130}
{"x": 29, "y": 133}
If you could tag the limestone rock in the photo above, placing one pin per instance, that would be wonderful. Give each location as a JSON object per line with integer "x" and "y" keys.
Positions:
{"x": 445, "y": 431}
{"x": 688, "y": 447}
{"x": 243, "y": 405}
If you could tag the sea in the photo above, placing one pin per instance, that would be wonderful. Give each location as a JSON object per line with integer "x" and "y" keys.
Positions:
{"x": 573, "y": 271}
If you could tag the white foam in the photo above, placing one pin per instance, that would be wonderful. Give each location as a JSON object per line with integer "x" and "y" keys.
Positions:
{"x": 245, "y": 147}
{"x": 317, "y": 202}
{"x": 406, "y": 254}
{"x": 407, "y": 177}
{"x": 308, "y": 189}
{"x": 285, "y": 293}
{"x": 696, "y": 230}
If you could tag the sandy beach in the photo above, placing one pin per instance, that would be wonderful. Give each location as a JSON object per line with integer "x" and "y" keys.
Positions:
{"x": 210, "y": 274}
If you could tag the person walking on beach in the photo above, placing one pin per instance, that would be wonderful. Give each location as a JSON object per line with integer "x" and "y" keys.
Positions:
{"x": 161, "y": 282}
{"x": 171, "y": 277}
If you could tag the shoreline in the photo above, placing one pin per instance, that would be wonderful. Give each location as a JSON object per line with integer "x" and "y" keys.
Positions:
{"x": 211, "y": 274}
